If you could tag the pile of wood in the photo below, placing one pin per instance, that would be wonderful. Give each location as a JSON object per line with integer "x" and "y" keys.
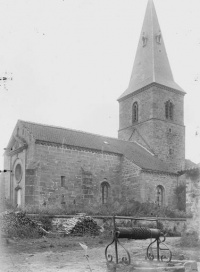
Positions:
{"x": 17, "y": 224}
{"x": 79, "y": 225}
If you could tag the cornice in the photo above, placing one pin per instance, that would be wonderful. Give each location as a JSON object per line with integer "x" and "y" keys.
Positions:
{"x": 151, "y": 119}
{"x": 65, "y": 146}
{"x": 159, "y": 172}
{"x": 16, "y": 151}
{"x": 153, "y": 84}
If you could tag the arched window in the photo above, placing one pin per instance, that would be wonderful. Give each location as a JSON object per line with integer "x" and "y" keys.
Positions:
{"x": 169, "y": 110}
{"x": 160, "y": 196}
{"x": 135, "y": 112}
{"x": 105, "y": 191}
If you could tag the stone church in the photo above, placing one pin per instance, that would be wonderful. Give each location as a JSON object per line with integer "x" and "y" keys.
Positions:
{"x": 55, "y": 165}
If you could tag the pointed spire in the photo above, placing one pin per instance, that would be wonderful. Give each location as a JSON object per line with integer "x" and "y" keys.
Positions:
{"x": 151, "y": 62}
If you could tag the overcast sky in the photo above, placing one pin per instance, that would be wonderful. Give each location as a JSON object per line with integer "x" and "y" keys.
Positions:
{"x": 72, "y": 59}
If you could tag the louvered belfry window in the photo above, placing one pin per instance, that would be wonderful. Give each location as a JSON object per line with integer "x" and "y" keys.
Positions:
{"x": 135, "y": 112}
{"x": 169, "y": 110}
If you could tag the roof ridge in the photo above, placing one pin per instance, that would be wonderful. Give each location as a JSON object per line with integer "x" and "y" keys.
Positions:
{"x": 85, "y": 132}
{"x": 145, "y": 148}
{"x": 76, "y": 130}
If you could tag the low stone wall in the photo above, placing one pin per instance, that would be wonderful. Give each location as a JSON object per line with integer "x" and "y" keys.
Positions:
{"x": 170, "y": 226}
{"x": 174, "y": 226}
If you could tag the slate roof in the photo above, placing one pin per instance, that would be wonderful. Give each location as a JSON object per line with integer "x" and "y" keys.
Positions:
{"x": 151, "y": 63}
{"x": 190, "y": 164}
{"x": 74, "y": 138}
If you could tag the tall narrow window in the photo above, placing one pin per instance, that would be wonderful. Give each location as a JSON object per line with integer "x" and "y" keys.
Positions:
{"x": 105, "y": 191}
{"x": 135, "y": 112}
{"x": 169, "y": 110}
{"x": 63, "y": 180}
{"x": 160, "y": 196}
{"x": 63, "y": 199}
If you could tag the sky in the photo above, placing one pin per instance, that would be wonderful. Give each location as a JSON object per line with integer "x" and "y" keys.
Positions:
{"x": 71, "y": 59}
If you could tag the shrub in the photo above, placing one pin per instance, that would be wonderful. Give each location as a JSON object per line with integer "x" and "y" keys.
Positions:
{"x": 128, "y": 208}
{"x": 135, "y": 208}
{"x": 17, "y": 224}
{"x": 193, "y": 174}
{"x": 180, "y": 192}
{"x": 190, "y": 239}
{"x": 171, "y": 232}
{"x": 8, "y": 205}
{"x": 23, "y": 232}
{"x": 45, "y": 222}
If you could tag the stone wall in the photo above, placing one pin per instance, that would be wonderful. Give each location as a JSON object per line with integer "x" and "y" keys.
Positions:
{"x": 74, "y": 177}
{"x": 149, "y": 182}
{"x": 193, "y": 200}
{"x": 11, "y": 184}
{"x": 171, "y": 227}
{"x": 166, "y": 138}
{"x": 20, "y": 151}
{"x": 2, "y": 193}
{"x": 151, "y": 103}
{"x": 31, "y": 197}
{"x": 66, "y": 175}
{"x": 130, "y": 181}
{"x": 7, "y": 177}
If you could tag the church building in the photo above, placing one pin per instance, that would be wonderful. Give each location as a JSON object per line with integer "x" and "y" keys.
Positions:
{"x": 55, "y": 165}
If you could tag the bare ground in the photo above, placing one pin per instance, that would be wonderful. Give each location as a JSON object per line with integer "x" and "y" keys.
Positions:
{"x": 65, "y": 253}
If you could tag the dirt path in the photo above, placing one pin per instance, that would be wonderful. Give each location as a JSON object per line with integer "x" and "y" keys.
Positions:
{"x": 52, "y": 261}
{"x": 65, "y": 254}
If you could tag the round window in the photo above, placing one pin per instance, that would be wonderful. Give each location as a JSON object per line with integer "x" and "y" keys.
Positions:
{"x": 18, "y": 172}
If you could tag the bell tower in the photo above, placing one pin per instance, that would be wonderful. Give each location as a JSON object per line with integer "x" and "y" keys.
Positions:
{"x": 151, "y": 109}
